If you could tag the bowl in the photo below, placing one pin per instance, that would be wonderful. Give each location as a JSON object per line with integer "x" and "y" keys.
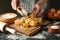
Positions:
{"x": 53, "y": 29}
{"x": 8, "y": 17}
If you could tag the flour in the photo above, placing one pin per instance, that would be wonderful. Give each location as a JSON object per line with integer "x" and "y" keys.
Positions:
{"x": 55, "y": 27}
{"x": 7, "y": 15}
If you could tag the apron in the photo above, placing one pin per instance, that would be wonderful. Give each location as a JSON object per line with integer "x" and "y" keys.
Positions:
{"x": 5, "y": 6}
{"x": 27, "y": 4}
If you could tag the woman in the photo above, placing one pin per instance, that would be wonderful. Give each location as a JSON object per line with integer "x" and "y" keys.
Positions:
{"x": 37, "y": 7}
{"x": 39, "y": 4}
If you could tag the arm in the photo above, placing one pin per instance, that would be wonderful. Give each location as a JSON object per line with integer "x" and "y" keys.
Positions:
{"x": 41, "y": 2}
{"x": 15, "y": 4}
{"x": 37, "y": 7}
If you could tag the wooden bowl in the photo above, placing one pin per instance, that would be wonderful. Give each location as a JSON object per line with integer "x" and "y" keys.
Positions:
{"x": 53, "y": 29}
{"x": 52, "y": 14}
{"x": 8, "y": 17}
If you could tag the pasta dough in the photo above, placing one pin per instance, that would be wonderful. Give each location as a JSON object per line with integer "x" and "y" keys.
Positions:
{"x": 28, "y": 21}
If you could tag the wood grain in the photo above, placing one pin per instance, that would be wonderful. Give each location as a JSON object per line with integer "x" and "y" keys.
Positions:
{"x": 30, "y": 31}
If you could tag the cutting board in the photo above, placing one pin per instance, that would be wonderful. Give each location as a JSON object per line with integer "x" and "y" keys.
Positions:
{"x": 30, "y": 31}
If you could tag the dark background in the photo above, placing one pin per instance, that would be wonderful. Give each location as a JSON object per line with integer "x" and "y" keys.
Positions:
{"x": 54, "y": 4}
{"x": 5, "y": 6}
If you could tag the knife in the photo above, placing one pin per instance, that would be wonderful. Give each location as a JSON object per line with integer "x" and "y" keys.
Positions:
{"x": 22, "y": 11}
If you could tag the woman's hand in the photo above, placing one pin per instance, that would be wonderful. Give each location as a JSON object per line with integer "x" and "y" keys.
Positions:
{"x": 15, "y": 4}
{"x": 36, "y": 9}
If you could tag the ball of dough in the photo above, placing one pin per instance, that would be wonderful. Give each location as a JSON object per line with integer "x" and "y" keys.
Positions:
{"x": 28, "y": 20}
{"x": 33, "y": 23}
{"x": 18, "y": 22}
{"x": 25, "y": 25}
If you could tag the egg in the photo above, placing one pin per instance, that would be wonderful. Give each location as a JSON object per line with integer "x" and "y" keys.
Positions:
{"x": 52, "y": 10}
{"x": 58, "y": 12}
{"x": 53, "y": 15}
{"x": 50, "y": 16}
{"x": 56, "y": 15}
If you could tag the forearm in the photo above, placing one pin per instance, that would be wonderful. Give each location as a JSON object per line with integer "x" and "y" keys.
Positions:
{"x": 41, "y": 2}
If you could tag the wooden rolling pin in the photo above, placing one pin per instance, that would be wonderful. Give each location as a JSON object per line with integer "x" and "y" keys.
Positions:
{"x": 5, "y": 27}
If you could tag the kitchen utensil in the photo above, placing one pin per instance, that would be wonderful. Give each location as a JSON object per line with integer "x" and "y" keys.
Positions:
{"x": 8, "y": 17}
{"x": 22, "y": 11}
{"x": 5, "y": 27}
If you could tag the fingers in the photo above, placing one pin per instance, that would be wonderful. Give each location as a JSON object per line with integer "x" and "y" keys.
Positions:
{"x": 33, "y": 9}
{"x": 36, "y": 10}
{"x": 38, "y": 14}
{"x": 15, "y": 4}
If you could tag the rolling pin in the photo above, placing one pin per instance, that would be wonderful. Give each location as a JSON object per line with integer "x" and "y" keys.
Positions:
{"x": 5, "y": 27}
